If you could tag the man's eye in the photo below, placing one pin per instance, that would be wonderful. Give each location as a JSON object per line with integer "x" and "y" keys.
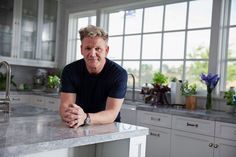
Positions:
{"x": 87, "y": 48}
{"x": 98, "y": 49}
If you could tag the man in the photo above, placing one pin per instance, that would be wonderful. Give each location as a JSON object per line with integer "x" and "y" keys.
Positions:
{"x": 92, "y": 88}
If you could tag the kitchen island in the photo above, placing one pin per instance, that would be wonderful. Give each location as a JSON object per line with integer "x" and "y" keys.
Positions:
{"x": 47, "y": 135}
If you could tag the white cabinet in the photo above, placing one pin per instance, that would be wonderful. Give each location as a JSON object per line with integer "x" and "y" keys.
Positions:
{"x": 19, "y": 99}
{"x": 28, "y": 34}
{"x": 159, "y": 139}
{"x": 52, "y": 103}
{"x": 128, "y": 114}
{"x": 38, "y": 100}
{"x": 185, "y": 144}
{"x": 225, "y": 141}
{"x": 192, "y": 137}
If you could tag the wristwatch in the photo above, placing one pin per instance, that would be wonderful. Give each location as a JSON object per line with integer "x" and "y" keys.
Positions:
{"x": 87, "y": 120}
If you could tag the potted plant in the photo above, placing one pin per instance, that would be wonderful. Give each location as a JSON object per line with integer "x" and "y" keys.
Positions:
{"x": 229, "y": 96}
{"x": 53, "y": 83}
{"x": 158, "y": 92}
{"x": 189, "y": 91}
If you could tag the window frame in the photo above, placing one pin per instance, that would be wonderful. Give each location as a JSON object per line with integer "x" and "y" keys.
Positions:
{"x": 219, "y": 34}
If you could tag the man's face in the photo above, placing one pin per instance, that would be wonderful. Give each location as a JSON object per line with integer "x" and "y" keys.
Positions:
{"x": 94, "y": 51}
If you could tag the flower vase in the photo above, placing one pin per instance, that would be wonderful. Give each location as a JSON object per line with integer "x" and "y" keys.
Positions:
{"x": 209, "y": 101}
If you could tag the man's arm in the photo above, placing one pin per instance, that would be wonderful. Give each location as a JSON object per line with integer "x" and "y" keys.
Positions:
{"x": 113, "y": 106}
{"x": 74, "y": 115}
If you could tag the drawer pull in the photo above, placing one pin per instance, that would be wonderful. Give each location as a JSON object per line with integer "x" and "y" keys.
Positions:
{"x": 16, "y": 99}
{"x": 155, "y": 119}
{"x": 155, "y": 134}
{"x": 216, "y": 145}
{"x": 194, "y": 125}
{"x": 210, "y": 144}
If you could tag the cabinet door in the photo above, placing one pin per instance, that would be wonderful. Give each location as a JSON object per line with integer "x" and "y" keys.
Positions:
{"x": 28, "y": 29}
{"x": 158, "y": 142}
{"x": 184, "y": 144}
{"x": 6, "y": 27}
{"x": 224, "y": 148}
{"x": 48, "y": 44}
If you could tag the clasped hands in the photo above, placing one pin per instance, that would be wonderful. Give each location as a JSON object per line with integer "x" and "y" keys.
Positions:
{"x": 74, "y": 116}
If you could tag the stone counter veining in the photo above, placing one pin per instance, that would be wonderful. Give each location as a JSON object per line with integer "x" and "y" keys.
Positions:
{"x": 26, "y": 135}
{"x": 199, "y": 113}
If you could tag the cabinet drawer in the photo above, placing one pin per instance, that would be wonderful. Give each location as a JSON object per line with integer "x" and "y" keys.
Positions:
{"x": 156, "y": 119}
{"x": 38, "y": 100}
{"x": 226, "y": 130}
{"x": 52, "y": 103}
{"x": 200, "y": 126}
{"x": 20, "y": 99}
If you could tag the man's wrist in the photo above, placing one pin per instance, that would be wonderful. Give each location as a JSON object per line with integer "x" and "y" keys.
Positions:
{"x": 87, "y": 120}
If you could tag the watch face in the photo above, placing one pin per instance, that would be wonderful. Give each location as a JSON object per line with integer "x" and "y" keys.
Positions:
{"x": 88, "y": 120}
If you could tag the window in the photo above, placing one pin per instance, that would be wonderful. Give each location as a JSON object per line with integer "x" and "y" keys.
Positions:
{"x": 231, "y": 49}
{"x": 76, "y": 22}
{"x": 178, "y": 38}
{"x": 171, "y": 38}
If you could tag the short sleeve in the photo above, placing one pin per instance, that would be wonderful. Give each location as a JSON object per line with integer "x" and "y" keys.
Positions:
{"x": 67, "y": 81}
{"x": 118, "y": 90}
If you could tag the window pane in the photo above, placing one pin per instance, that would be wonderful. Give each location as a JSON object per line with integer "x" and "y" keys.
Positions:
{"x": 232, "y": 44}
{"x": 82, "y": 22}
{"x": 194, "y": 70}
{"x": 132, "y": 47}
{"x": 116, "y": 23}
{"x": 231, "y": 75}
{"x": 198, "y": 43}
{"x": 233, "y": 13}
{"x": 115, "y": 44}
{"x": 172, "y": 69}
{"x": 78, "y": 52}
{"x": 151, "y": 46}
{"x": 200, "y": 13}
{"x": 93, "y": 20}
{"x": 173, "y": 46}
{"x": 133, "y": 21}
{"x": 148, "y": 68}
{"x": 175, "y": 17}
{"x": 132, "y": 67}
{"x": 153, "y": 19}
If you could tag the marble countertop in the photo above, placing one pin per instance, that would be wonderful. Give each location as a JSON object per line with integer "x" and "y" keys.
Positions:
{"x": 198, "y": 113}
{"x": 26, "y": 135}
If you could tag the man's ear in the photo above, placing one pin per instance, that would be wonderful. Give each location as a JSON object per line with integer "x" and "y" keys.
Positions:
{"x": 107, "y": 50}
{"x": 81, "y": 49}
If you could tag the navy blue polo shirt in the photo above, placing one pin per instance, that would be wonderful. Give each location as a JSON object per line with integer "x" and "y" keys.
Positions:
{"x": 92, "y": 90}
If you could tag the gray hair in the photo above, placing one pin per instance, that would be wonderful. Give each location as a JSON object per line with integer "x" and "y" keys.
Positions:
{"x": 93, "y": 31}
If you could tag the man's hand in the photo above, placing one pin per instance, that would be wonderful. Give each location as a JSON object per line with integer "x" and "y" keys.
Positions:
{"x": 74, "y": 116}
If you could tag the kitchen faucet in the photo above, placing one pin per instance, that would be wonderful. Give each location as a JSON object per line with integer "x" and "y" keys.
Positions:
{"x": 5, "y": 102}
{"x": 133, "y": 87}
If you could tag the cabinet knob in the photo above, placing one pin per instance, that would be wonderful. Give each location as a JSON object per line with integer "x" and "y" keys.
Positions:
{"x": 190, "y": 124}
{"x": 216, "y": 145}
{"x": 210, "y": 144}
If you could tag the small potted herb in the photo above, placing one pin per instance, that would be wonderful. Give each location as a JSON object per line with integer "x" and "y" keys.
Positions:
{"x": 189, "y": 91}
{"x": 53, "y": 83}
{"x": 229, "y": 96}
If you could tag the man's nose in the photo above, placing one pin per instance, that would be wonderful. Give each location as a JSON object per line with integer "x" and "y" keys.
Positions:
{"x": 93, "y": 52}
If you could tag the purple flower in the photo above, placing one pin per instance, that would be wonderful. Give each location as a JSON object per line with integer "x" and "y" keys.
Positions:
{"x": 210, "y": 80}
